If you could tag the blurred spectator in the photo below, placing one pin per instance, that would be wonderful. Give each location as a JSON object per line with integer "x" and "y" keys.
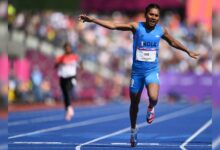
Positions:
{"x": 3, "y": 94}
{"x": 99, "y": 90}
{"x": 216, "y": 43}
{"x": 12, "y": 85}
{"x": 216, "y": 69}
{"x": 11, "y": 15}
{"x": 19, "y": 21}
{"x": 3, "y": 10}
{"x": 204, "y": 66}
{"x": 23, "y": 93}
{"x": 46, "y": 92}
{"x": 37, "y": 78}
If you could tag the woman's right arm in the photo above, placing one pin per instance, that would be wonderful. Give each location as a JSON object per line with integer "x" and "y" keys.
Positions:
{"x": 108, "y": 24}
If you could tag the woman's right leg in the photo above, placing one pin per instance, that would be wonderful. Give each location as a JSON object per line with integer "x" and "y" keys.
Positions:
{"x": 135, "y": 100}
{"x": 136, "y": 87}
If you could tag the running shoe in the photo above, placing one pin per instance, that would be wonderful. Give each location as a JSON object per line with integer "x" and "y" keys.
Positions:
{"x": 133, "y": 139}
{"x": 150, "y": 115}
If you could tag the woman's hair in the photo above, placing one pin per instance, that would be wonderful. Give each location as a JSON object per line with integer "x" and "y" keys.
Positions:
{"x": 66, "y": 44}
{"x": 150, "y": 6}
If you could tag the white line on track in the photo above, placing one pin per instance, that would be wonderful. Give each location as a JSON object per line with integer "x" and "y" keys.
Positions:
{"x": 147, "y": 144}
{"x": 163, "y": 144}
{"x": 73, "y": 125}
{"x": 109, "y": 144}
{"x": 216, "y": 143}
{"x": 51, "y": 143}
{"x": 43, "y": 143}
{"x": 194, "y": 135}
{"x": 158, "y": 120}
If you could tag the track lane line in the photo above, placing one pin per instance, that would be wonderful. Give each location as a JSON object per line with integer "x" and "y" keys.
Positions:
{"x": 73, "y": 125}
{"x": 194, "y": 135}
{"x": 106, "y": 144}
{"x": 216, "y": 143}
{"x": 166, "y": 117}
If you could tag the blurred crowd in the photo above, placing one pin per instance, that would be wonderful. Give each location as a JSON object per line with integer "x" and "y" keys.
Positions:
{"x": 107, "y": 49}
{"x": 216, "y": 43}
{"x": 112, "y": 49}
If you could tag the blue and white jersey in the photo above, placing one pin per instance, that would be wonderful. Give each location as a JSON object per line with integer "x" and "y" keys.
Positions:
{"x": 146, "y": 49}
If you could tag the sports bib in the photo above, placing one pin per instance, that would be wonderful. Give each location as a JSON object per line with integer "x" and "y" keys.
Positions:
{"x": 144, "y": 55}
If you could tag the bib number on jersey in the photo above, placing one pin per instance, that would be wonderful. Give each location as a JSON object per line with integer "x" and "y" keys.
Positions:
{"x": 144, "y": 55}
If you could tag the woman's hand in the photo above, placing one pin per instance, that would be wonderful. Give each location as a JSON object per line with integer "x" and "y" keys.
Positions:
{"x": 85, "y": 18}
{"x": 193, "y": 55}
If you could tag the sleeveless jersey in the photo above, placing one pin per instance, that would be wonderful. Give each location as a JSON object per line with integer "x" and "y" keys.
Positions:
{"x": 146, "y": 49}
{"x": 68, "y": 65}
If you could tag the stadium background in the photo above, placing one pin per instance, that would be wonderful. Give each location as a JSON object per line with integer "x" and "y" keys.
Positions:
{"x": 38, "y": 36}
{"x": 37, "y": 30}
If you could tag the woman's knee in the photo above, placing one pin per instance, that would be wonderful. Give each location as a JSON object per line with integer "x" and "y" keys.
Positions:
{"x": 153, "y": 97}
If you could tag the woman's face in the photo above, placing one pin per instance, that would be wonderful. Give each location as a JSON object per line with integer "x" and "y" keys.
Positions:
{"x": 152, "y": 17}
{"x": 68, "y": 49}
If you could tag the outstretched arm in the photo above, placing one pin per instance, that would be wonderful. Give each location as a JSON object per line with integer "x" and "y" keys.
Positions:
{"x": 108, "y": 24}
{"x": 176, "y": 44}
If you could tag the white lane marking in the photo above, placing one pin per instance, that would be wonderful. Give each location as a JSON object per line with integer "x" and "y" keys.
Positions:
{"x": 43, "y": 143}
{"x": 107, "y": 144}
{"x": 52, "y": 143}
{"x": 216, "y": 143}
{"x": 73, "y": 125}
{"x": 146, "y": 144}
{"x": 200, "y": 130}
{"x": 163, "y": 144}
{"x": 158, "y": 120}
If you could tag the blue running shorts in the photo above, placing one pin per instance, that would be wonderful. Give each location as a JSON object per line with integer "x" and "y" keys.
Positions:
{"x": 138, "y": 81}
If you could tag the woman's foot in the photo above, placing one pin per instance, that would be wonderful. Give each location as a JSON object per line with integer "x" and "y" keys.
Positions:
{"x": 69, "y": 113}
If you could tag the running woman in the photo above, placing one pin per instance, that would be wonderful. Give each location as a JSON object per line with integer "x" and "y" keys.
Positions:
{"x": 66, "y": 65}
{"x": 145, "y": 67}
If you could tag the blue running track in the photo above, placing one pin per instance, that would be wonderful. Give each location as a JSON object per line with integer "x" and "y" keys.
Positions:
{"x": 3, "y": 134}
{"x": 106, "y": 127}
